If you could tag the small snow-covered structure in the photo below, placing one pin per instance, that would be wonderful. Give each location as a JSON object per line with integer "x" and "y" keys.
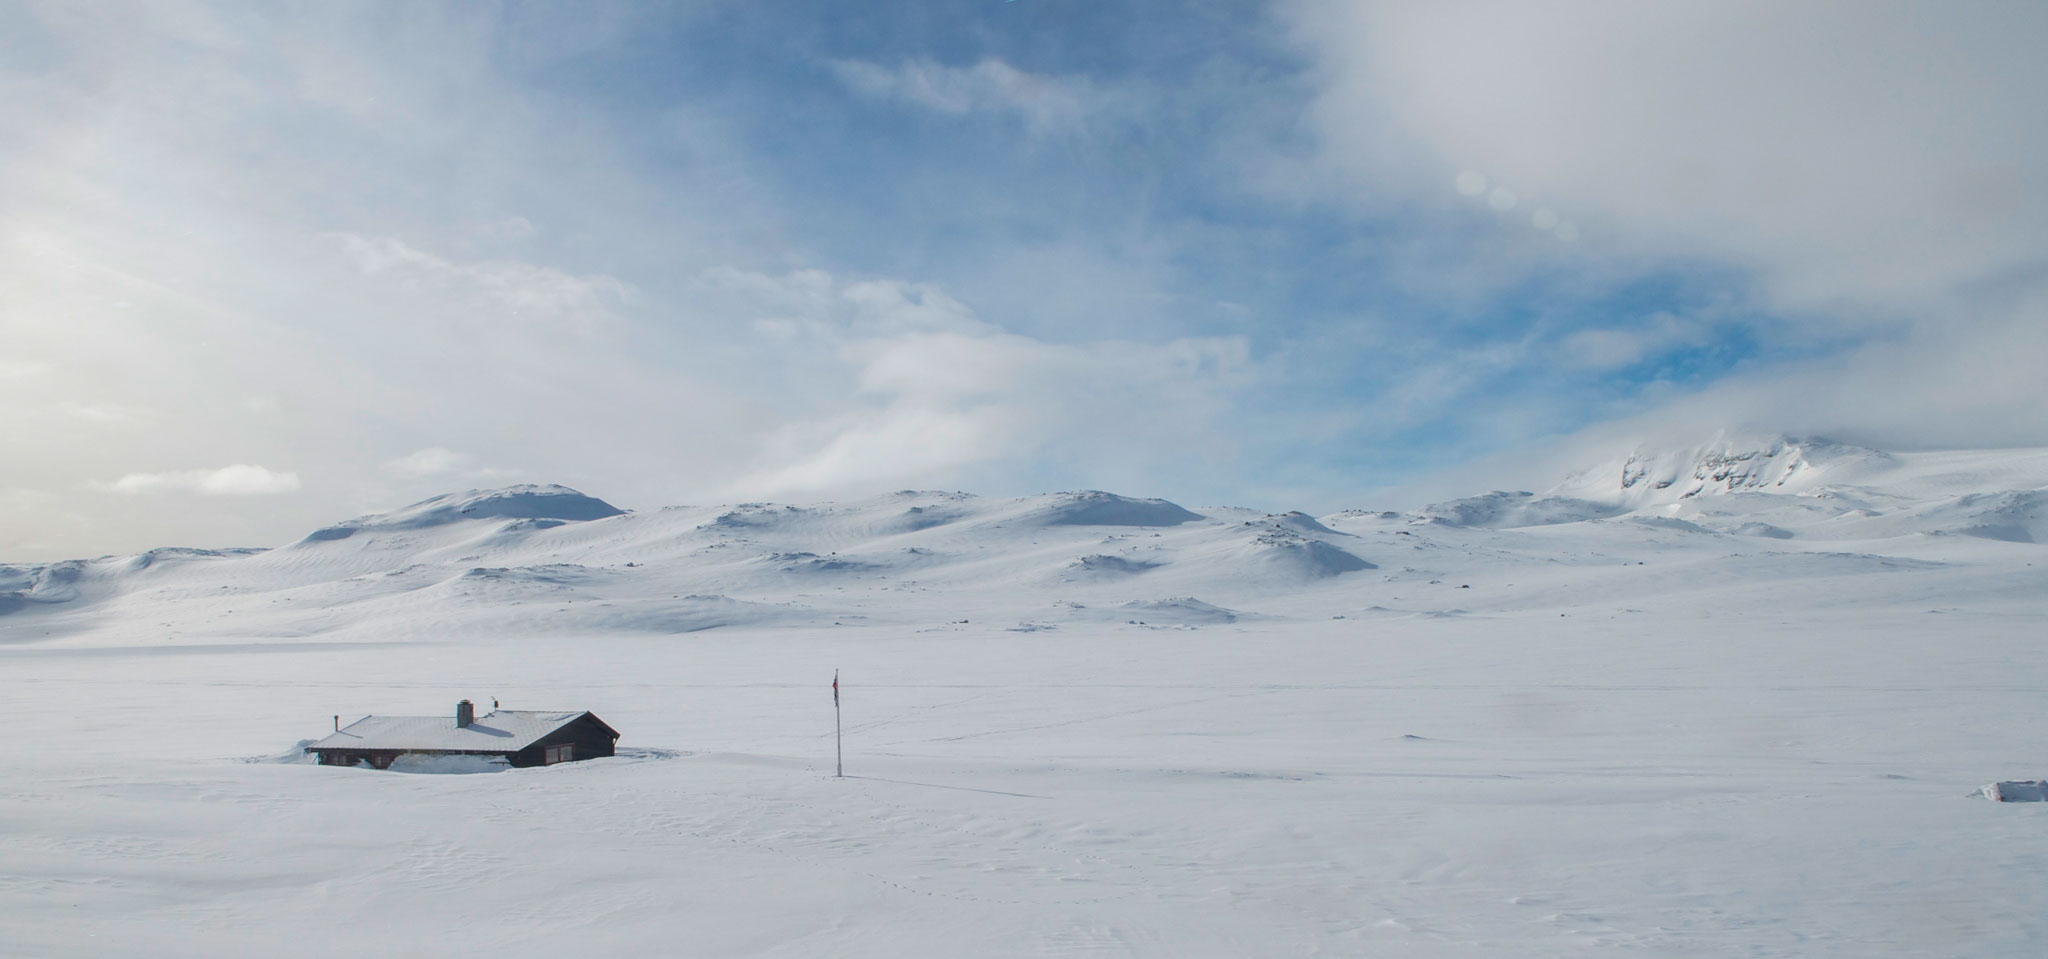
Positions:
{"x": 523, "y": 737}
{"x": 2021, "y": 791}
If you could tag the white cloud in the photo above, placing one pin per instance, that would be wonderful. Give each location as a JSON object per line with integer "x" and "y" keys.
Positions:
{"x": 20, "y": 369}
{"x": 432, "y": 461}
{"x": 1862, "y": 173}
{"x": 437, "y": 462}
{"x": 1864, "y": 151}
{"x": 1928, "y": 389}
{"x": 238, "y": 480}
{"x": 1617, "y": 347}
{"x": 1047, "y": 103}
{"x": 505, "y": 287}
{"x": 813, "y": 303}
{"x": 939, "y": 396}
{"x": 110, "y": 414}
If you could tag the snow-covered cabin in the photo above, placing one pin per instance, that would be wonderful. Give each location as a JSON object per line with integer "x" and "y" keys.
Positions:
{"x": 524, "y": 737}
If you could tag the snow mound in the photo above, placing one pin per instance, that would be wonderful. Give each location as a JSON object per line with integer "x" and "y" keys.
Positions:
{"x": 1670, "y": 523}
{"x": 527, "y": 502}
{"x": 1096, "y": 508}
{"x": 1364, "y": 514}
{"x": 1174, "y": 611}
{"x": 526, "y": 525}
{"x": 1505, "y": 510}
{"x": 169, "y": 555}
{"x": 295, "y": 756}
{"x": 1298, "y": 520}
{"x": 805, "y": 562}
{"x": 449, "y": 765}
{"x": 71, "y": 581}
{"x": 1318, "y": 559}
{"x": 1822, "y": 563}
{"x": 755, "y": 516}
{"x": 55, "y": 583}
{"x": 694, "y": 613}
{"x": 1179, "y": 610}
{"x": 1277, "y": 548}
{"x": 2014, "y": 516}
{"x": 917, "y": 518}
{"x": 552, "y": 574}
{"x": 2022, "y": 791}
{"x": 1105, "y": 565}
{"x": 1765, "y": 530}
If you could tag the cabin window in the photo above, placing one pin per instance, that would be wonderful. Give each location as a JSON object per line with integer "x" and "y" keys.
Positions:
{"x": 558, "y": 754}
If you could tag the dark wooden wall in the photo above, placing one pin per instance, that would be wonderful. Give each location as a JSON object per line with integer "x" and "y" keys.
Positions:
{"x": 591, "y": 739}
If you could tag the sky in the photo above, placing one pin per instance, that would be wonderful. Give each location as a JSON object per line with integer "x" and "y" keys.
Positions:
{"x": 264, "y": 267}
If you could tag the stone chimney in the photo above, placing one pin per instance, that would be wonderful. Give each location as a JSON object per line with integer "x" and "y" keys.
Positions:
{"x": 465, "y": 714}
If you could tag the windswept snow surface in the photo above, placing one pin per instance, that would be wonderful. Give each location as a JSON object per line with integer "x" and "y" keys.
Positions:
{"x": 1742, "y": 713}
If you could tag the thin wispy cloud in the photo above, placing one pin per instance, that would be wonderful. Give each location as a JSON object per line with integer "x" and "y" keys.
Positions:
{"x": 436, "y": 463}
{"x": 939, "y": 395}
{"x": 114, "y": 414}
{"x": 1647, "y": 338}
{"x": 510, "y": 288}
{"x": 241, "y": 479}
{"x": 1047, "y": 103}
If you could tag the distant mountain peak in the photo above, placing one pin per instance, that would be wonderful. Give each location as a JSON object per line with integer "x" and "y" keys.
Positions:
{"x": 526, "y": 501}
{"x": 1097, "y": 508}
{"x": 1727, "y": 463}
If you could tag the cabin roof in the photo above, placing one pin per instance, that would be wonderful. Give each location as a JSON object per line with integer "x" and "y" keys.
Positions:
{"x": 499, "y": 731}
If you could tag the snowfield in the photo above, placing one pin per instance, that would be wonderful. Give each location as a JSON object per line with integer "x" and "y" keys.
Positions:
{"x": 1736, "y": 699}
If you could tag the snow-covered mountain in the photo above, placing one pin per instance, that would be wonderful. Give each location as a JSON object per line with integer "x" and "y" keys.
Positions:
{"x": 552, "y": 558}
{"x": 1782, "y": 487}
{"x": 541, "y": 506}
{"x": 1725, "y": 464}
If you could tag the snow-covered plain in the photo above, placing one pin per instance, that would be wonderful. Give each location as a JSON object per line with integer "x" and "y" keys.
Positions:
{"x": 1738, "y": 699}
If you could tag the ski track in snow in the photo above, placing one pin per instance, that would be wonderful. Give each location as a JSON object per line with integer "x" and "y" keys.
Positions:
{"x": 1736, "y": 699}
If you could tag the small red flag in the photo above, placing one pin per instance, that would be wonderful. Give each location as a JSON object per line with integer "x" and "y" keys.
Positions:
{"x": 835, "y": 687}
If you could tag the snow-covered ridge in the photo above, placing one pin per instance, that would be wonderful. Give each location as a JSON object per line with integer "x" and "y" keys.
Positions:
{"x": 1781, "y": 487}
{"x": 1097, "y": 508}
{"x": 929, "y": 557}
{"x": 1725, "y": 464}
{"x": 541, "y": 503}
{"x": 1505, "y": 510}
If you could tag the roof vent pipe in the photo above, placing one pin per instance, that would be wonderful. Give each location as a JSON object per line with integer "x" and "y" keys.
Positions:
{"x": 465, "y": 713}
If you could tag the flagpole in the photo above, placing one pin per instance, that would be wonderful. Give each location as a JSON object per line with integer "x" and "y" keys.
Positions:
{"x": 838, "y": 744}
